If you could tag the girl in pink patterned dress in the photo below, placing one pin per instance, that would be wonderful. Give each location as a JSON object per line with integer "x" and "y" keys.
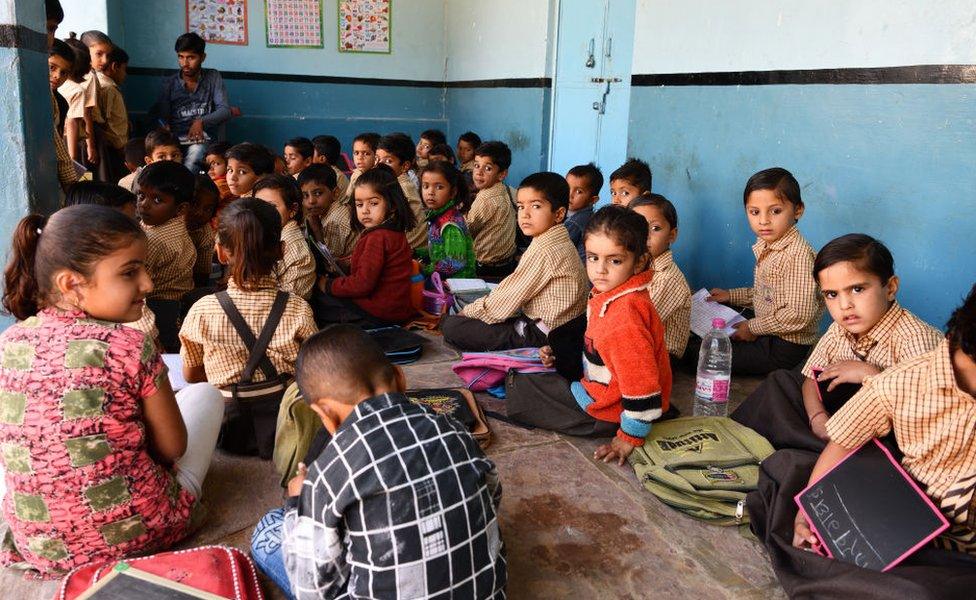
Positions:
{"x": 98, "y": 458}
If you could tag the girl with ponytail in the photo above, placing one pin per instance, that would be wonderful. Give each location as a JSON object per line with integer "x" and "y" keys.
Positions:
{"x": 99, "y": 458}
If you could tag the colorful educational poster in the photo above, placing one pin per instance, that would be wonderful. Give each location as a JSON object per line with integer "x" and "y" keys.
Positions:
{"x": 364, "y": 26}
{"x": 218, "y": 21}
{"x": 294, "y": 23}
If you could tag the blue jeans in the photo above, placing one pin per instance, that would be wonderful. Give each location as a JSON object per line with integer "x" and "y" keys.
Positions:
{"x": 195, "y": 157}
{"x": 266, "y": 549}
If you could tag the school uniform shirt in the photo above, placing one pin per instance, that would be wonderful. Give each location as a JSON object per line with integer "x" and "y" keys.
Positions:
{"x": 170, "y": 256}
{"x": 337, "y": 232}
{"x": 897, "y": 337}
{"x": 209, "y": 338}
{"x": 468, "y": 166}
{"x": 400, "y": 504}
{"x": 146, "y": 323}
{"x": 626, "y": 371}
{"x": 418, "y": 235}
{"x": 342, "y": 183}
{"x": 129, "y": 181}
{"x": 67, "y": 173}
{"x": 379, "y": 275}
{"x": 296, "y": 270}
{"x": 784, "y": 294}
{"x": 932, "y": 419}
{"x": 672, "y": 300}
{"x": 113, "y": 110}
{"x": 82, "y": 96}
{"x": 352, "y": 184}
{"x": 203, "y": 240}
{"x": 491, "y": 222}
{"x": 548, "y": 286}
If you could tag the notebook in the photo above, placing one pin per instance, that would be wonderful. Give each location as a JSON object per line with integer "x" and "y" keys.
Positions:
{"x": 868, "y": 511}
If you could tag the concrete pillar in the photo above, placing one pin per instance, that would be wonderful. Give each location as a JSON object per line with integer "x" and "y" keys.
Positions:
{"x": 28, "y": 167}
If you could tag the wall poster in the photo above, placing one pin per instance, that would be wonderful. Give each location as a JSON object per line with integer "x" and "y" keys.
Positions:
{"x": 294, "y": 23}
{"x": 365, "y": 26}
{"x": 218, "y": 21}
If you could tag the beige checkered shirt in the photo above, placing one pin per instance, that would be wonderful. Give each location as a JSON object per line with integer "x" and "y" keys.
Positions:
{"x": 112, "y": 105}
{"x": 209, "y": 338}
{"x": 66, "y": 167}
{"x": 342, "y": 183}
{"x": 897, "y": 337}
{"x": 549, "y": 284}
{"x": 491, "y": 222}
{"x": 671, "y": 297}
{"x": 933, "y": 422}
{"x": 337, "y": 233}
{"x": 296, "y": 271}
{"x": 203, "y": 241}
{"x": 784, "y": 293}
{"x": 146, "y": 323}
{"x": 418, "y": 235}
{"x": 170, "y": 256}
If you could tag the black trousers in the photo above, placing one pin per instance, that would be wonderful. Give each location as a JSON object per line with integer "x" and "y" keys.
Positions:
{"x": 497, "y": 272}
{"x": 775, "y": 410}
{"x": 474, "y": 335}
{"x": 329, "y": 310}
{"x": 765, "y": 355}
{"x": 168, "y": 321}
{"x": 544, "y": 400}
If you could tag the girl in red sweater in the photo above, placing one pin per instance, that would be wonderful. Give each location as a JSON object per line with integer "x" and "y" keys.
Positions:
{"x": 377, "y": 289}
{"x": 626, "y": 380}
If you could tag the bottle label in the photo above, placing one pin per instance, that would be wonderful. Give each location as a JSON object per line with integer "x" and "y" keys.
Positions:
{"x": 715, "y": 389}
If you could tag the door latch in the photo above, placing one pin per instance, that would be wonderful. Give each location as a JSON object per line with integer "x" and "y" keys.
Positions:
{"x": 591, "y": 61}
{"x": 601, "y": 106}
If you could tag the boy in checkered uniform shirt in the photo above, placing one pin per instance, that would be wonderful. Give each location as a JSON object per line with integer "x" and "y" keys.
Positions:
{"x": 401, "y": 503}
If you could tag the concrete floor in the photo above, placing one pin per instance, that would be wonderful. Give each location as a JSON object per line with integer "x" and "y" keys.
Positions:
{"x": 573, "y": 527}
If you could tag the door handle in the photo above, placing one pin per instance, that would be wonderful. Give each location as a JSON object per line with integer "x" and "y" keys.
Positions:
{"x": 609, "y": 48}
{"x": 591, "y": 60}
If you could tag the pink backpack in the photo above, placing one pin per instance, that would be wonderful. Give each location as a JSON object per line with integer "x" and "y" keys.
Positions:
{"x": 483, "y": 370}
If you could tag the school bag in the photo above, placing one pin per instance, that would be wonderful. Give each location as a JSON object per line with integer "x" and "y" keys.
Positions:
{"x": 251, "y": 412}
{"x": 458, "y": 403}
{"x": 402, "y": 347}
{"x": 437, "y": 299}
{"x": 218, "y": 570}
{"x": 481, "y": 371}
{"x": 702, "y": 466}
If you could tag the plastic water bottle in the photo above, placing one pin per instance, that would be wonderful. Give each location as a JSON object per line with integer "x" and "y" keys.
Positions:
{"x": 714, "y": 373}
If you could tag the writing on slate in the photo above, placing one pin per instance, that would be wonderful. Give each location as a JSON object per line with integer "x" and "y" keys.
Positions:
{"x": 839, "y": 529}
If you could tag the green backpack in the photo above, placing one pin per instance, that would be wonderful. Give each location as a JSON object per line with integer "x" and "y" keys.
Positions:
{"x": 702, "y": 466}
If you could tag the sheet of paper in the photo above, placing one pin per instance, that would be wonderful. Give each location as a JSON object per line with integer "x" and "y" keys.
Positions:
{"x": 703, "y": 311}
{"x": 175, "y": 365}
{"x": 460, "y": 285}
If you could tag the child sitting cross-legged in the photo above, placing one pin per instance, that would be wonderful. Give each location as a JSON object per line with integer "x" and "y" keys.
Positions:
{"x": 631, "y": 180}
{"x": 585, "y": 182}
{"x": 669, "y": 288}
{"x": 491, "y": 219}
{"x": 428, "y": 139}
{"x": 784, "y": 294}
{"x": 363, "y": 157}
{"x": 929, "y": 404}
{"x": 199, "y": 217}
{"x": 450, "y": 250}
{"x": 295, "y": 272}
{"x": 159, "y": 145}
{"x": 327, "y": 150}
{"x": 326, "y": 213}
{"x": 217, "y": 170}
{"x": 165, "y": 193}
{"x": 626, "y": 380}
{"x": 401, "y": 502}
{"x": 246, "y": 163}
{"x": 397, "y": 151}
{"x": 547, "y": 289}
{"x": 100, "y": 459}
{"x": 871, "y": 332}
{"x": 298, "y": 155}
{"x": 377, "y": 288}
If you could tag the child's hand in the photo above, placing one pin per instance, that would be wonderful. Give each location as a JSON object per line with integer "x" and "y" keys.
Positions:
{"x": 743, "y": 333}
{"x": 295, "y": 483}
{"x": 547, "y": 357}
{"x": 847, "y": 371}
{"x": 819, "y": 425}
{"x": 719, "y": 295}
{"x": 803, "y": 537}
{"x": 617, "y": 450}
{"x": 92, "y": 151}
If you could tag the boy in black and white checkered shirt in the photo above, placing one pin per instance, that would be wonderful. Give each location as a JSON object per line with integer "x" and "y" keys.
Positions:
{"x": 401, "y": 503}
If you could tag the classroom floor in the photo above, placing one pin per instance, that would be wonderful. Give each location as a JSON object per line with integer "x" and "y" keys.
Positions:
{"x": 573, "y": 527}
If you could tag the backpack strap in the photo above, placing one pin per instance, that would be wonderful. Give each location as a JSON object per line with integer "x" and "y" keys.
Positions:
{"x": 257, "y": 357}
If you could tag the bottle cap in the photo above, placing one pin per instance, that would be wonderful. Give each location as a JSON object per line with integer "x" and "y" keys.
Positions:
{"x": 718, "y": 323}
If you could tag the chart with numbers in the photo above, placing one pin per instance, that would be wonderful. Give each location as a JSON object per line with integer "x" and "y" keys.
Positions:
{"x": 364, "y": 26}
{"x": 294, "y": 23}
{"x": 218, "y": 21}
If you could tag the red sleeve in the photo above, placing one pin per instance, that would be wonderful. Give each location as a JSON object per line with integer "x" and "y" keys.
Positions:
{"x": 367, "y": 266}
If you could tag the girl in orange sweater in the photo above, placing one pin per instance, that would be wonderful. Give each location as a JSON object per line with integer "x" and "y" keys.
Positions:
{"x": 626, "y": 380}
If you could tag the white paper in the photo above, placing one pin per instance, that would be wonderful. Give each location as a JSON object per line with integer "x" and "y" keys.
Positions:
{"x": 460, "y": 285}
{"x": 174, "y": 363}
{"x": 703, "y": 311}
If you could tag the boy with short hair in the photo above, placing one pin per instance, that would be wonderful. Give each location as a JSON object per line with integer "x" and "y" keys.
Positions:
{"x": 377, "y": 514}
{"x": 246, "y": 163}
{"x": 295, "y": 271}
{"x": 206, "y": 199}
{"x": 60, "y": 66}
{"x": 326, "y": 214}
{"x": 548, "y": 288}
{"x": 111, "y": 75}
{"x": 467, "y": 144}
{"x": 158, "y": 145}
{"x": 631, "y": 180}
{"x": 585, "y": 183}
{"x": 328, "y": 150}
{"x": 397, "y": 151}
{"x": 492, "y": 214}
{"x": 929, "y": 403}
{"x": 428, "y": 139}
{"x": 442, "y": 152}
{"x": 298, "y": 154}
{"x": 363, "y": 156}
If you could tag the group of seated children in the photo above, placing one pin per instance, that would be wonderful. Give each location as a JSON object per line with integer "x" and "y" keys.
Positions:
{"x": 102, "y": 460}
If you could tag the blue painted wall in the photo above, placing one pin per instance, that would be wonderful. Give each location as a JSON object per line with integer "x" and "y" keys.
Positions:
{"x": 893, "y": 161}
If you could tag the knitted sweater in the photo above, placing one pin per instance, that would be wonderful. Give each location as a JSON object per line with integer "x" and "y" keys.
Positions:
{"x": 450, "y": 249}
{"x": 626, "y": 372}
{"x": 379, "y": 277}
